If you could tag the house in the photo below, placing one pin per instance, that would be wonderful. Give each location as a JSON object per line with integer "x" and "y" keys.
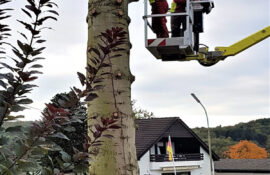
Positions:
{"x": 242, "y": 167}
{"x": 191, "y": 154}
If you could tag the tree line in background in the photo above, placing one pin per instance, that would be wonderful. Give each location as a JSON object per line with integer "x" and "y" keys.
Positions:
{"x": 226, "y": 146}
{"x": 224, "y": 138}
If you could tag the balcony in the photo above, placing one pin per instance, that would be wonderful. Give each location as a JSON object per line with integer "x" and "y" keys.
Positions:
{"x": 177, "y": 157}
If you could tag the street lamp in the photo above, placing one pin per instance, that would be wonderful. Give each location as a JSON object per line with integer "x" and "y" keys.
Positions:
{"x": 209, "y": 138}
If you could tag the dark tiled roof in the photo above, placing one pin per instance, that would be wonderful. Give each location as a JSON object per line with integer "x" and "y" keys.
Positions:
{"x": 150, "y": 131}
{"x": 243, "y": 165}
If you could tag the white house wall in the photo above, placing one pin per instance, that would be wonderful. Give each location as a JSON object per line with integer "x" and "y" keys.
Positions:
{"x": 144, "y": 164}
{"x": 206, "y": 169}
{"x": 155, "y": 168}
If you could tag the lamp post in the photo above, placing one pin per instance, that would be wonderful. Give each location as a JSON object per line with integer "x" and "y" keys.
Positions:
{"x": 209, "y": 137}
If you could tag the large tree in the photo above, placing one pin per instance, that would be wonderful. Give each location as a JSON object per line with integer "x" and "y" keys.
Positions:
{"x": 117, "y": 155}
{"x": 246, "y": 150}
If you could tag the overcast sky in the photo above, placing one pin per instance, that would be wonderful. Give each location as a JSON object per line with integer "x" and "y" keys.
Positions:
{"x": 235, "y": 90}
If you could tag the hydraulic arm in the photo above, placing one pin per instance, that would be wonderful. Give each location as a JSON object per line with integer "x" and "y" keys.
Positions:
{"x": 209, "y": 58}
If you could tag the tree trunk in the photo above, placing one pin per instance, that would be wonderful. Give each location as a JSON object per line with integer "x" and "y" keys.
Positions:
{"x": 117, "y": 155}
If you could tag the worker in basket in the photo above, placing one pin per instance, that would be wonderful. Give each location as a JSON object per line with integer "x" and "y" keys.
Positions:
{"x": 178, "y": 6}
{"x": 159, "y": 23}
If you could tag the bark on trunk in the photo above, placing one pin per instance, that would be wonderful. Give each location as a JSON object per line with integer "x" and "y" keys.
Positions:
{"x": 117, "y": 155}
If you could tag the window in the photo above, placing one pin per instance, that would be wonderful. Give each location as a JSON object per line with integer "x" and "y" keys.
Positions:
{"x": 186, "y": 146}
{"x": 161, "y": 149}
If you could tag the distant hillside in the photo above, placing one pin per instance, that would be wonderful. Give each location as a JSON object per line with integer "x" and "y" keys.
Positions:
{"x": 257, "y": 131}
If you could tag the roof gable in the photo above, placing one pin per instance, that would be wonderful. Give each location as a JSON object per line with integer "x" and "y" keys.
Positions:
{"x": 150, "y": 131}
{"x": 177, "y": 130}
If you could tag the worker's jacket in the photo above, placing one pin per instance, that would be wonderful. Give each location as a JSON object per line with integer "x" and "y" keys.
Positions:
{"x": 178, "y": 6}
{"x": 159, "y": 6}
{"x": 152, "y": 1}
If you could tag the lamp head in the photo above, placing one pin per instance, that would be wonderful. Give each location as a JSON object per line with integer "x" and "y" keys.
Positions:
{"x": 194, "y": 96}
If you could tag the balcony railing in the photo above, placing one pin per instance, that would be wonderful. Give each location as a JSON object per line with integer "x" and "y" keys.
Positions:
{"x": 177, "y": 157}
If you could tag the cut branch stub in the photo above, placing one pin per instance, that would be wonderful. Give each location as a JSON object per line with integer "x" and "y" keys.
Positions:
{"x": 115, "y": 114}
{"x": 93, "y": 12}
{"x": 120, "y": 13}
{"x": 118, "y": 75}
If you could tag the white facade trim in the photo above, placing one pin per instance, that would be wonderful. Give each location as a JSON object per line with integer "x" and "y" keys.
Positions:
{"x": 201, "y": 167}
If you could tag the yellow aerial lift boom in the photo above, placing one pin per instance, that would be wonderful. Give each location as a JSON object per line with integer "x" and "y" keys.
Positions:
{"x": 186, "y": 48}
{"x": 208, "y": 58}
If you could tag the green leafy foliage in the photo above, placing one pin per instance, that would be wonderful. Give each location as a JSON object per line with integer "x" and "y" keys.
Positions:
{"x": 70, "y": 134}
{"x": 4, "y": 30}
{"x": 16, "y": 78}
{"x": 14, "y": 144}
{"x": 140, "y": 113}
{"x": 257, "y": 131}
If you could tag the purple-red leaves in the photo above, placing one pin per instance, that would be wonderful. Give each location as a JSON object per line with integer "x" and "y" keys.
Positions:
{"x": 91, "y": 97}
{"x": 91, "y": 70}
{"x": 81, "y": 78}
{"x": 88, "y": 139}
{"x": 56, "y": 112}
{"x": 86, "y": 146}
{"x": 43, "y": 1}
{"x": 107, "y": 121}
{"x": 108, "y": 136}
{"x": 108, "y": 36}
{"x": 94, "y": 50}
{"x": 105, "y": 49}
{"x": 114, "y": 127}
{"x": 97, "y": 134}
{"x": 98, "y": 127}
{"x": 34, "y": 9}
